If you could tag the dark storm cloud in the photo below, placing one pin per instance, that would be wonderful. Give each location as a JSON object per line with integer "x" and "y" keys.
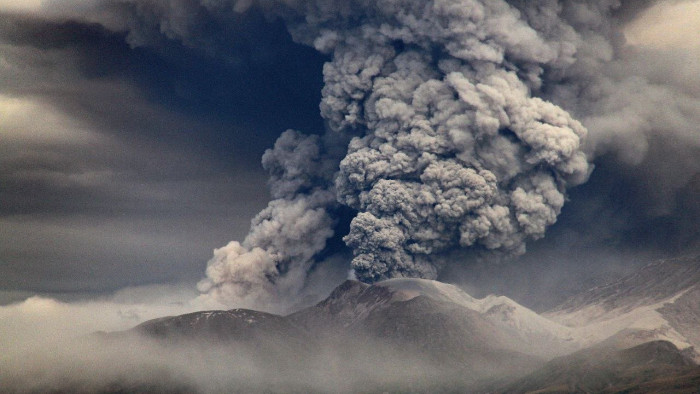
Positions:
{"x": 44, "y": 55}
{"x": 126, "y": 165}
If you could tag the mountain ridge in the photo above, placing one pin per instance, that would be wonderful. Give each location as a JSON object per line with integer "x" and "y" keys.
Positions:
{"x": 603, "y": 369}
{"x": 447, "y": 341}
{"x": 659, "y": 302}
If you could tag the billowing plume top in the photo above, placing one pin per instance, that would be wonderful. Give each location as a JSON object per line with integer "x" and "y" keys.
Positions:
{"x": 449, "y": 148}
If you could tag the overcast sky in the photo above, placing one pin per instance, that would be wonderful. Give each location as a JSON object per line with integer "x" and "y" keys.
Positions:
{"x": 127, "y": 154}
{"x": 123, "y": 165}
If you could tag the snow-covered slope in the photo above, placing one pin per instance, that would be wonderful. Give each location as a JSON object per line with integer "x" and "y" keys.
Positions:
{"x": 591, "y": 324}
{"x": 659, "y": 302}
{"x": 654, "y": 283}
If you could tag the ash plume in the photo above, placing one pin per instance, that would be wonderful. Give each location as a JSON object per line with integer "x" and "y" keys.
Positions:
{"x": 276, "y": 255}
{"x": 449, "y": 148}
{"x": 450, "y": 125}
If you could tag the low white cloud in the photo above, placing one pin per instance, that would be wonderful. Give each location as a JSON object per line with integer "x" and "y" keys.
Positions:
{"x": 47, "y": 346}
{"x": 38, "y": 321}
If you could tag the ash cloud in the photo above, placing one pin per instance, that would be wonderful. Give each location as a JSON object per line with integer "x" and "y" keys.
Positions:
{"x": 449, "y": 147}
{"x": 455, "y": 125}
{"x": 450, "y": 127}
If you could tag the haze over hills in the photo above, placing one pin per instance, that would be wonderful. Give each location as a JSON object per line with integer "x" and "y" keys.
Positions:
{"x": 452, "y": 341}
{"x": 445, "y": 339}
{"x": 416, "y": 335}
{"x": 655, "y": 311}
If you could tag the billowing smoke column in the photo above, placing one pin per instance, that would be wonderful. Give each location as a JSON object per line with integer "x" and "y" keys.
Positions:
{"x": 447, "y": 148}
{"x": 275, "y": 257}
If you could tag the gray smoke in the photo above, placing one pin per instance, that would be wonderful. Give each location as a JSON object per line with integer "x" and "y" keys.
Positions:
{"x": 451, "y": 125}
{"x": 274, "y": 259}
{"x": 449, "y": 147}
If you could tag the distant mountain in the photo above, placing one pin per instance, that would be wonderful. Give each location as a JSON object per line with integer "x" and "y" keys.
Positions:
{"x": 236, "y": 324}
{"x": 659, "y": 302}
{"x": 260, "y": 330}
{"x": 417, "y": 313}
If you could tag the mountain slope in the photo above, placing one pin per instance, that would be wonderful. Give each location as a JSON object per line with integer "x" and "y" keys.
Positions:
{"x": 536, "y": 334}
{"x": 235, "y": 324}
{"x": 659, "y": 302}
{"x": 634, "y": 310}
{"x": 415, "y": 335}
{"x": 656, "y": 282}
{"x": 678, "y": 383}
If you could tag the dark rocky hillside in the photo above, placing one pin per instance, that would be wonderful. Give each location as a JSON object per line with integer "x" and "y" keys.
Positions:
{"x": 605, "y": 369}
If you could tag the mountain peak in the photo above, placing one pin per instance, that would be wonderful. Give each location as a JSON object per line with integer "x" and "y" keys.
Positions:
{"x": 349, "y": 286}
